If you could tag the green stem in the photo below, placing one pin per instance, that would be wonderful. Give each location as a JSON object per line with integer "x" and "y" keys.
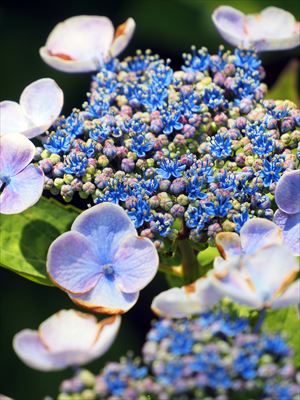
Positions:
{"x": 190, "y": 266}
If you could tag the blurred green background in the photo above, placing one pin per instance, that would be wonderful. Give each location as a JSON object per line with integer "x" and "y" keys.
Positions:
{"x": 168, "y": 27}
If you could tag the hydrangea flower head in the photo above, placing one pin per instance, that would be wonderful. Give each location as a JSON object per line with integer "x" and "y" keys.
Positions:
{"x": 67, "y": 338}
{"x": 39, "y": 106}
{"x": 101, "y": 263}
{"x": 272, "y": 29}
{"x": 287, "y": 197}
{"x": 83, "y": 43}
{"x": 21, "y": 183}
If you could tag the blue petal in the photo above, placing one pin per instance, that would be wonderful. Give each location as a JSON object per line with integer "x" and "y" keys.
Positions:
{"x": 72, "y": 263}
{"x": 106, "y": 298}
{"x": 104, "y": 225}
{"x": 135, "y": 263}
{"x": 290, "y": 224}
{"x": 23, "y": 190}
{"x": 16, "y": 152}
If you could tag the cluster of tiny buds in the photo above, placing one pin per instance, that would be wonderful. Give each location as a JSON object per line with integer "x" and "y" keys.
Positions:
{"x": 213, "y": 356}
{"x": 188, "y": 152}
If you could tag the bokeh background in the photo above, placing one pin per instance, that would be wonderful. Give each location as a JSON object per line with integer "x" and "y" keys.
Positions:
{"x": 168, "y": 27}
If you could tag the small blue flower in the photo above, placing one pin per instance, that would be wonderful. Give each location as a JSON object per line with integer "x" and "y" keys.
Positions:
{"x": 213, "y": 98}
{"x": 171, "y": 120}
{"x": 246, "y": 59}
{"x": 59, "y": 142}
{"x": 219, "y": 208}
{"x": 170, "y": 168}
{"x": 140, "y": 145}
{"x": 240, "y": 219}
{"x": 220, "y": 146}
{"x": 162, "y": 224}
{"x": 100, "y": 133}
{"x": 271, "y": 171}
{"x": 75, "y": 164}
{"x": 197, "y": 61}
{"x": 74, "y": 125}
{"x": 194, "y": 190}
{"x": 140, "y": 213}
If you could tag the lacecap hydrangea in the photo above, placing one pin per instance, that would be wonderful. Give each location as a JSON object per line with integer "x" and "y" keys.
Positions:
{"x": 214, "y": 356}
{"x": 186, "y": 153}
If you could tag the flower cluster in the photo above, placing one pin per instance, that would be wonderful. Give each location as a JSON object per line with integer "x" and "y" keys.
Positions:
{"x": 212, "y": 356}
{"x": 194, "y": 151}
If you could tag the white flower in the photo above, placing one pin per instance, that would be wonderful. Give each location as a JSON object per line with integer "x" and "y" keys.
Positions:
{"x": 271, "y": 29}
{"x": 83, "y": 43}
{"x": 188, "y": 300}
{"x": 67, "y": 338}
{"x": 39, "y": 106}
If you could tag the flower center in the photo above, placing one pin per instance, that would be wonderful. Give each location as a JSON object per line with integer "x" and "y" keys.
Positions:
{"x": 4, "y": 181}
{"x": 108, "y": 271}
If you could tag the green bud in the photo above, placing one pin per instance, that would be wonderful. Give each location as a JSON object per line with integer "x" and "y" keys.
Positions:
{"x": 228, "y": 226}
{"x": 87, "y": 178}
{"x": 150, "y": 162}
{"x": 54, "y": 158}
{"x": 90, "y": 170}
{"x": 58, "y": 182}
{"x": 83, "y": 195}
{"x": 103, "y": 161}
{"x": 88, "y": 394}
{"x": 87, "y": 378}
{"x": 45, "y": 154}
{"x": 54, "y": 191}
{"x": 63, "y": 396}
{"x": 132, "y": 155}
{"x": 183, "y": 200}
{"x": 68, "y": 178}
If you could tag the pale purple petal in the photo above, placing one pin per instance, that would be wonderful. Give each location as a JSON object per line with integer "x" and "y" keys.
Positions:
{"x": 290, "y": 225}
{"x": 72, "y": 263}
{"x": 228, "y": 244}
{"x": 22, "y": 191}
{"x": 257, "y": 233}
{"x": 287, "y": 192}
{"x": 230, "y": 24}
{"x": 79, "y": 44}
{"x": 69, "y": 330}
{"x": 291, "y": 296}
{"x": 13, "y": 119}
{"x": 108, "y": 328}
{"x": 269, "y": 269}
{"x": 122, "y": 37}
{"x": 30, "y": 349}
{"x": 106, "y": 298}
{"x": 16, "y": 152}
{"x": 232, "y": 284}
{"x": 176, "y": 303}
{"x": 266, "y": 33}
{"x": 105, "y": 225}
{"x": 42, "y": 102}
{"x": 135, "y": 263}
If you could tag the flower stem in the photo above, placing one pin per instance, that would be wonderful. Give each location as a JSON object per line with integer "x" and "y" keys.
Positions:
{"x": 189, "y": 263}
{"x": 260, "y": 320}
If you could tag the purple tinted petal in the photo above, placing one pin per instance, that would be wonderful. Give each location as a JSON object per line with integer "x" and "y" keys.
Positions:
{"x": 79, "y": 44}
{"x": 257, "y": 233}
{"x": 269, "y": 268}
{"x": 104, "y": 225}
{"x": 13, "y": 119}
{"x": 69, "y": 330}
{"x": 16, "y": 152}
{"x": 291, "y": 296}
{"x": 42, "y": 102}
{"x": 228, "y": 244}
{"x": 106, "y": 298}
{"x": 122, "y": 37}
{"x": 22, "y": 191}
{"x": 287, "y": 193}
{"x": 29, "y": 347}
{"x": 135, "y": 263}
{"x": 72, "y": 263}
{"x": 230, "y": 24}
{"x": 290, "y": 224}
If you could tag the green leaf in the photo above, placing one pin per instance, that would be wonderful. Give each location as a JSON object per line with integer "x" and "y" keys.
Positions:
{"x": 285, "y": 321}
{"x": 286, "y": 86}
{"x": 26, "y": 237}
